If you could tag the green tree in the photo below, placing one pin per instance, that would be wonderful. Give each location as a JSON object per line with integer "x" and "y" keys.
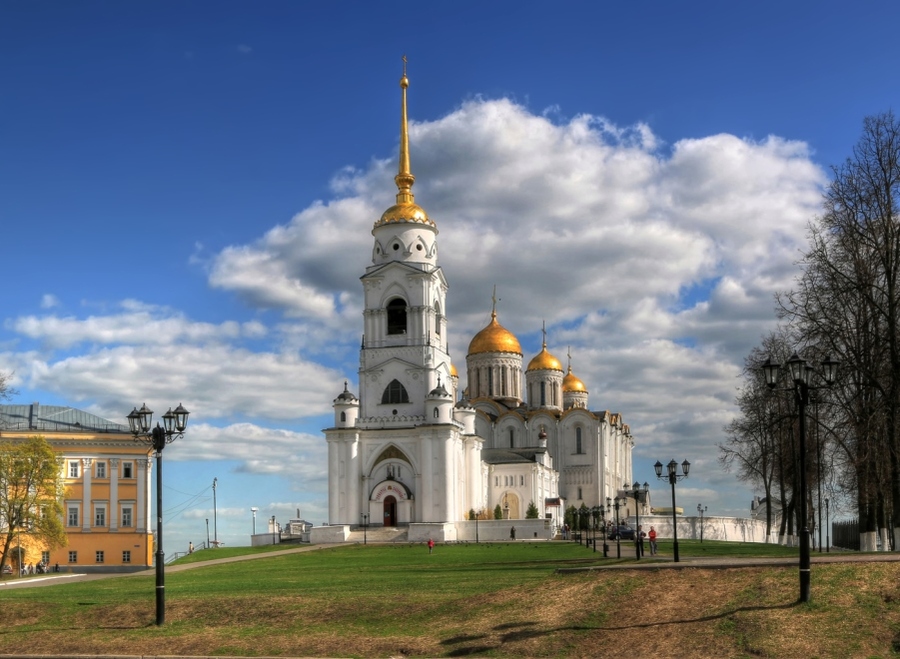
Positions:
{"x": 31, "y": 493}
{"x": 532, "y": 511}
{"x": 471, "y": 514}
{"x": 570, "y": 516}
{"x": 498, "y": 512}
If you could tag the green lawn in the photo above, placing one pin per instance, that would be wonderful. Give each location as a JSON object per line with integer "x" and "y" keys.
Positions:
{"x": 498, "y": 600}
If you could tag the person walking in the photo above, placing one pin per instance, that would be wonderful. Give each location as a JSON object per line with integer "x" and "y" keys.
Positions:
{"x": 639, "y": 540}
{"x": 652, "y": 537}
{"x": 512, "y": 533}
{"x": 430, "y": 545}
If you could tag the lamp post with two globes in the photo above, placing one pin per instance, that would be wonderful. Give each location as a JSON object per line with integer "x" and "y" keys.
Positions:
{"x": 141, "y": 423}
{"x": 673, "y": 477}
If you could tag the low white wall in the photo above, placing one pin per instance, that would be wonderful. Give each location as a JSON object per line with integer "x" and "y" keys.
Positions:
{"x": 733, "y": 529}
{"x": 320, "y": 535}
{"x": 489, "y": 530}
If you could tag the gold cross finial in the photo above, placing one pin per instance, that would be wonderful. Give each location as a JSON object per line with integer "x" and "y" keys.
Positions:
{"x": 404, "y": 65}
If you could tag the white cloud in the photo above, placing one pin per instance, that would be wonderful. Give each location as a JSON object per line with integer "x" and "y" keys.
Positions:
{"x": 657, "y": 266}
{"x": 48, "y": 301}
{"x": 139, "y": 324}
{"x": 586, "y": 225}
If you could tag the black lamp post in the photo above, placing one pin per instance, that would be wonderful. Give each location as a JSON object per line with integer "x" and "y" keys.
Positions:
{"x": 616, "y": 505}
{"x": 365, "y": 517}
{"x": 673, "y": 477}
{"x": 701, "y": 509}
{"x": 585, "y": 515}
{"x": 639, "y": 494}
{"x": 174, "y": 422}
{"x": 827, "y": 528}
{"x": 597, "y": 514}
{"x": 800, "y": 372}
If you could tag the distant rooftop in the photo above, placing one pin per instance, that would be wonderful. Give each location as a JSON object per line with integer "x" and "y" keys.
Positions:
{"x": 57, "y": 418}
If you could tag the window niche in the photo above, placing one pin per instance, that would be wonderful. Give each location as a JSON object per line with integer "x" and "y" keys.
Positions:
{"x": 394, "y": 393}
{"x": 396, "y": 316}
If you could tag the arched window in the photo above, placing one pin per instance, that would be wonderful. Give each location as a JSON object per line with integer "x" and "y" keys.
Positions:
{"x": 343, "y": 416}
{"x": 543, "y": 394}
{"x": 394, "y": 393}
{"x": 512, "y": 438}
{"x": 437, "y": 319}
{"x": 396, "y": 316}
{"x": 578, "y": 446}
{"x": 437, "y": 413}
{"x": 579, "y": 493}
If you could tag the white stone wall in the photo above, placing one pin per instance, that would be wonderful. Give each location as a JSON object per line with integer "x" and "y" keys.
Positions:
{"x": 731, "y": 529}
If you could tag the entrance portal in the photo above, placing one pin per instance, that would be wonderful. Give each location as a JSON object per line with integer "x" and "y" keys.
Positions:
{"x": 390, "y": 511}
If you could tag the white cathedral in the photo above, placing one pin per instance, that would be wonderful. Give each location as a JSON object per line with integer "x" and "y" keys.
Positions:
{"x": 410, "y": 450}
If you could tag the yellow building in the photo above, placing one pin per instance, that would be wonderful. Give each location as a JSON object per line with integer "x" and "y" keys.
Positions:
{"x": 106, "y": 505}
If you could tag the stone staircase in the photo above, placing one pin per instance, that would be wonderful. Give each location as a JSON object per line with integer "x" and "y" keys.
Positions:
{"x": 378, "y": 534}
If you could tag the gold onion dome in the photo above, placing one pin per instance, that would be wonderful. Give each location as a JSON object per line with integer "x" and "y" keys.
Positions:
{"x": 453, "y": 371}
{"x": 544, "y": 361}
{"x": 405, "y": 210}
{"x": 572, "y": 383}
{"x": 494, "y": 338}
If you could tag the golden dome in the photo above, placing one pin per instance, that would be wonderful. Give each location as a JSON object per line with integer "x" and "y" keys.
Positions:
{"x": 572, "y": 383}
{"x": 494, "y": 338}
{"x": 544, "y": 361}
{"x": 453, "y": 372}
{"x": 401, "y": 213}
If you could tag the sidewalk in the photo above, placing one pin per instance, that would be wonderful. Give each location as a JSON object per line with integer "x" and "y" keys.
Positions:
{"x": 690, "y": 562}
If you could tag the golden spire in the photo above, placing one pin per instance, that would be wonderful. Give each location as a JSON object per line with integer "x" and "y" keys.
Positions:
{"x": 404, "y": 178}
{"x": 405, "y": 210}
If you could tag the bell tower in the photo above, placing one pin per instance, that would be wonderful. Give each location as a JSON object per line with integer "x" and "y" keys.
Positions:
{"x": 404, "y": 354}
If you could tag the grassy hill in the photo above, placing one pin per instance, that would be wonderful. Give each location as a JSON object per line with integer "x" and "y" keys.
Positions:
{"x": 497, "y": 600}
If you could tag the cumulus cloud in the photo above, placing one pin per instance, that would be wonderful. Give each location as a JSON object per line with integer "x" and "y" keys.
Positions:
{"x": 655, "y": 263}
{"x": 215, "y": 381}
{"x": 257, "y": 450}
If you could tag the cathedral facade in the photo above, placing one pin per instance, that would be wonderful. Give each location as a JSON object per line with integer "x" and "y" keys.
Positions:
{"x": 413, "y": 448}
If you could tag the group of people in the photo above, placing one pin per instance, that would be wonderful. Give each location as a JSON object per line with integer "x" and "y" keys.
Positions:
{"x": 40, "y": 568}
{"x": 639, "y": 536}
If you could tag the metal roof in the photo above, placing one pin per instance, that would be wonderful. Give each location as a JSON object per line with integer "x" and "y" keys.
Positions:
{"x": 54, "y": 418}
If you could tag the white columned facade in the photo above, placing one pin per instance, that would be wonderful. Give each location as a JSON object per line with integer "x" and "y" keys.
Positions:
{"x": 114, "y": 511}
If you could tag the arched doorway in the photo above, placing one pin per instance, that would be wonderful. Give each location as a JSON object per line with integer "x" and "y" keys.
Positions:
{"x": 390, "y": 511}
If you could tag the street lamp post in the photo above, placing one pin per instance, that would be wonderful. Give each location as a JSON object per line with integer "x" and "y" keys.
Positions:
{"x": 586, "y": 523}
{"x": 701, "y": 509}
{"x": 273, "y": 530}
{"x": 639, "y": 494}
{"x": 215, "y": 516}
{"x": 673, "y": 477}
{"x": 254, "y": 510}
{"x": 174, "y": 422}
{"x": 365, "y": 517}
{"x": 827, "y": 528}
{"x": 616, "y": 505}
{"x": 800, "y": 372}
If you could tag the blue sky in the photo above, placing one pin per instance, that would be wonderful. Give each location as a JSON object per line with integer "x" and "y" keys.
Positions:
{"x": 187, "y": 191}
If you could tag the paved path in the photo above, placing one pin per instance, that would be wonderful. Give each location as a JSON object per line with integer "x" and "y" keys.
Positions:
{"x": 53, "y": 579}
{"x": 690, "y": 562}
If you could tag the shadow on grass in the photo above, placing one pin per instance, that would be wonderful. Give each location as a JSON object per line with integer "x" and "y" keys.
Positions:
{"x": 519, "y": 632}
